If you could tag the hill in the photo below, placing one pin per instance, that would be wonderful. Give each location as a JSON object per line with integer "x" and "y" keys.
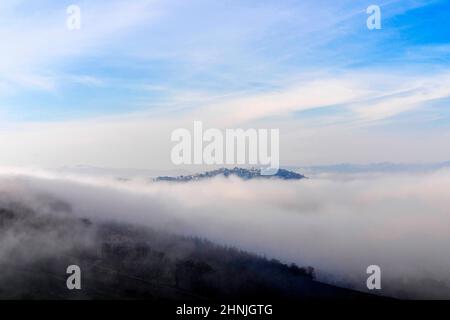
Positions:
{"x": 245, "y": 174}
{"x": 122, "y": 261}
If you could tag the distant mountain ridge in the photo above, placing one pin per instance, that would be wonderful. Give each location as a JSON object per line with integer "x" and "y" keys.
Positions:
{"x": 245, "y": 174}
{"x": 382, "y": 167}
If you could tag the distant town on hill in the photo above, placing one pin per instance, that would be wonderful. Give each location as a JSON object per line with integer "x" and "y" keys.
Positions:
{"x": 245, "y": 174}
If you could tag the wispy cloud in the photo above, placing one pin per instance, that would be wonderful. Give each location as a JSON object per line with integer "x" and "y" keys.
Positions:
{"x": 36, "y": 43}
{"x": 309, "y": 68}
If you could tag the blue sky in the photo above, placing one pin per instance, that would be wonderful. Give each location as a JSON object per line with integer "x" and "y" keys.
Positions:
{"x": 309, "y": 65}
{"x": 202, "y": 46}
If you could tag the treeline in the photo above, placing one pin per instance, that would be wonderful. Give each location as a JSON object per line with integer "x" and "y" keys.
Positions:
{"x": 123, "y": 261}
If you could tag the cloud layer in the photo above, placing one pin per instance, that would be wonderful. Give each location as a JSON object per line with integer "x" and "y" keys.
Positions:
{"x": 399, "y": 222}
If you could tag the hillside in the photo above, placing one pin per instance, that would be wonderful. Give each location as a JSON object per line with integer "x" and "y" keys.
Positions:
{"x": 121, "y": 261}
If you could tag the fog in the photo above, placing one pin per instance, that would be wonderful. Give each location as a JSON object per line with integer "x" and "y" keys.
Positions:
{"x": 399, "y": 222}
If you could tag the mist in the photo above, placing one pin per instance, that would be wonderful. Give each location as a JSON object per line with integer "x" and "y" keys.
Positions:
{"x": 339, "y": 226}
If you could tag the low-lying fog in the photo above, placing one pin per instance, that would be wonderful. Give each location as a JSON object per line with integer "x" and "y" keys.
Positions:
{"x": 400, "y": 222}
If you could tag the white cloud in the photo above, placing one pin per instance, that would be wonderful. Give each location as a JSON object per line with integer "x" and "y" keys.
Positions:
{"x": 412, "y": 93}
{"x": 370, "y": 95}
{"x": 143, "y": 140}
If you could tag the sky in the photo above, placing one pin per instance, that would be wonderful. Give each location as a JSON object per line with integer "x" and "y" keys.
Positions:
{"x": 110, "y": 93}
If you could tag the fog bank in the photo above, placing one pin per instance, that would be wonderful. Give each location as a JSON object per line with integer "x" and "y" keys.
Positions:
{"x": 399, "y": 222}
